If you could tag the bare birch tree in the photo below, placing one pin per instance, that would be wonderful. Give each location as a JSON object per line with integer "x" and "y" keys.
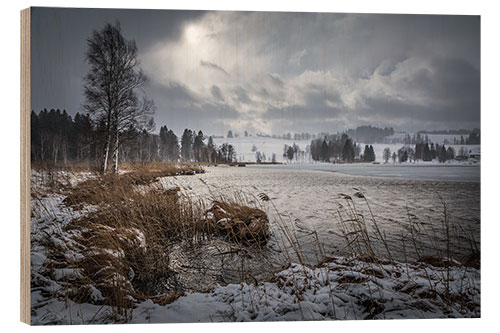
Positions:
{"x": 113, "y": 89}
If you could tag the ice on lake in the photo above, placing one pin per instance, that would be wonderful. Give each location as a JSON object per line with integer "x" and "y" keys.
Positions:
{"x": 307, "y": 197}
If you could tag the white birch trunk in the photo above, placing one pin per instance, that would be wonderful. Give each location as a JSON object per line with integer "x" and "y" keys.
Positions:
{"x": 115, "y": 153}
{"x": 106, "y": 154}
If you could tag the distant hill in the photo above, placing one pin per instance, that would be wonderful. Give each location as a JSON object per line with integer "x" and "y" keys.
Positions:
{"x": 369, "y": 134}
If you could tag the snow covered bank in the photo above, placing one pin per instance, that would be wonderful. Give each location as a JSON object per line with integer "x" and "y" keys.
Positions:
{"x": 343, "y": 289}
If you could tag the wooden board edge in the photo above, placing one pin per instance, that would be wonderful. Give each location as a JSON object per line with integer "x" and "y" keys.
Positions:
{"x": 25, "y": 164}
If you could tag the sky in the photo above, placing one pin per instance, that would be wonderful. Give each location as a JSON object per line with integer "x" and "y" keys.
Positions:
{"x": 275, "y": 72}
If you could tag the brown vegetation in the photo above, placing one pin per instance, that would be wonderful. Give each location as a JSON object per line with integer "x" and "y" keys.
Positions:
{"x": 123, "y": 241}
{"x": 239, "y": 223}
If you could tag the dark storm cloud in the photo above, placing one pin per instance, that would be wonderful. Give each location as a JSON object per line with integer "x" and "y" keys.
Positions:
{"x": 242, "y": 95}
{"x": 389, "y": 66}
{"x": 217, "y": 93}
{"x": 316, "y": 110}
{"x": 263, "y": 92}
{"x": 189, "y": 111}
{"x": 457, "y": 81}
{"x": 210, "y": 111}
{"x": 416, "y": 117}
{"x": 276, "y": 80}
{"x": 452, "y": 90}
{"x": 451, "y": 87}
{"x": 175, "y": 94}
{"x": 283, "y": 71}
{"x": 216, "y": 67}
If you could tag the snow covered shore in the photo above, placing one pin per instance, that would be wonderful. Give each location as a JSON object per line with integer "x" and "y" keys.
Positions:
{"x": 342, "y": 289}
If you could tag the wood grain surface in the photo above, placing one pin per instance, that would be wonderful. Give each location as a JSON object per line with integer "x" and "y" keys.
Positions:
{"x": 25, "y": 164}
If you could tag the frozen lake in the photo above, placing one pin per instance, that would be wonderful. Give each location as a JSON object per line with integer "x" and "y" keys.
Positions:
{"x": 422, "y": 171}
{"x": 307, "y": 199}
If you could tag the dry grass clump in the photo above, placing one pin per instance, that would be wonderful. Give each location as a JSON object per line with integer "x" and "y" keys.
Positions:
{"x": 238, "y": 223}
{"x": 119, "y": 263}
{"x": 158, "y": 212}
{"x": 131, "y": 232}
{"x": 117, "y": 188}
{"x": 164, "y": 169}
{"x": 113, "y": 266}
{"x": 119, "y": 247}
{"x": 124, "y": 242}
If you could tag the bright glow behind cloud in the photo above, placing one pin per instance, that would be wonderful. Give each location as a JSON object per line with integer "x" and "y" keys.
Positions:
{"x": 275, "y": 72}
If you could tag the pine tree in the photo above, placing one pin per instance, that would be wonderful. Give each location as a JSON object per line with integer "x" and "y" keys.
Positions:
{"x": 426, "y": 153}
{"x": 372, "y": 154}
{"x": 325, "y": 156}
{"x": 441, "y": 151}
{"x": 450, "y": 153}
{"x": 172, "y": 146}
{"x": 198, "y": 146}
{"x": 163, "y": 142}
{"x": 433, "y": 152}
{"x": 368, "y": 154}
{"x": 289, "y": 153}
{"x": 82, "y": 137}
{"x": 348, "y": 151}
{"x": 187, "y": 145}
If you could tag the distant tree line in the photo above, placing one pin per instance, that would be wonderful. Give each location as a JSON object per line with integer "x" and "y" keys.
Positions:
{"x": 467, "y": 137}
{"x": 473, "y": 139}
{"x": 421, "y": 151}
{"x": 370, "y": 134}
{"x": 290, "y": 136}
{"x": 59, "y": 138}
{"x": 451, "y": 132}
{"x": 193, "y": 148}
{"x": 333, "y": 148}
{"x": 56, "y": 137}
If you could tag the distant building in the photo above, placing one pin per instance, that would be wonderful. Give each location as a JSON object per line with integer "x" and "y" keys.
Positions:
{"x": 473, "y": 153}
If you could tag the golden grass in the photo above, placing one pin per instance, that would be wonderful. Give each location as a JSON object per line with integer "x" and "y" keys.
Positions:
{"x": 239, "y": 223}
{"x": 124, "y": 241}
